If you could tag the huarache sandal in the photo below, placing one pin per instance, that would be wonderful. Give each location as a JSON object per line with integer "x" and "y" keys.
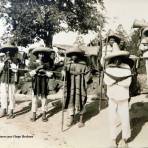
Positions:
{"x": 11, "y": 115}
{"x": 44, "y": 118}
{"x": 3, "y": 113}
{"x": 33, "y": 118}
{"x": 70, "y": 121}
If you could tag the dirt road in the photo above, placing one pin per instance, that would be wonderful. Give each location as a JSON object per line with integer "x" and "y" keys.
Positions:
{"x": 21, "y": 133}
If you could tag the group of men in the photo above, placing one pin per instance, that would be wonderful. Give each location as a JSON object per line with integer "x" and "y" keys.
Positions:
{"x": 117, "y": 70}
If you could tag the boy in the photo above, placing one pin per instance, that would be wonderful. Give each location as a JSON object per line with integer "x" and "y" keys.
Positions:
{"x": 40, "y": 78}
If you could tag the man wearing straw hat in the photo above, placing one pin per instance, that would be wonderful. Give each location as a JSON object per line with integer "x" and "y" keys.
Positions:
{"x": 144, "y": 49}
{"x": 40, "y": 80}
{"x": 76, "y": 85}
{"x": 8, "y": 76}
{"x": 2, "y": 59}
{"x": 112, "y": 42}
{"x": 118, "y": 79}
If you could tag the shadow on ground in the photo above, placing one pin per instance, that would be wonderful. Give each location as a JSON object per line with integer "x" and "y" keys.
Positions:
{"x": 56, "y": 107}
{"x": 24, "y": 110}
{"x": 139, "y": 116}
{"x": 92, "y": 109}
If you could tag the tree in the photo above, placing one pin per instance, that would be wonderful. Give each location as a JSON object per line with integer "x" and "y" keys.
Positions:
{"x": 133, "y": 48}
{"x": 42, "y": 19}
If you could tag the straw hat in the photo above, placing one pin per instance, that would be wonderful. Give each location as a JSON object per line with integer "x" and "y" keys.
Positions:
{"x": 75, "y": 51}
{"x": 9, "y": 48}
{"x": 2, "y": 54}
{"x": 113, "y": 35}
{"x": 44, "y": 50}
{"x": 117, "y": 54}
{"x": 124, "y": 55}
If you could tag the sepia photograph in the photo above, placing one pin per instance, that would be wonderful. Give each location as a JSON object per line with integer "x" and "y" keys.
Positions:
{"x": 73, "y": 74}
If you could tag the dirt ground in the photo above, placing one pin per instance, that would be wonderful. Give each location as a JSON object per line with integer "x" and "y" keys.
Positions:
{"x": 21, "y": 133}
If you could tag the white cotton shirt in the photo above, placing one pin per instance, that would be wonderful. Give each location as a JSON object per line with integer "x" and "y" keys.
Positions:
{"x": 14, "y": 67}
{"x": 1, "y": 66}
{"x": 118, "y": 91}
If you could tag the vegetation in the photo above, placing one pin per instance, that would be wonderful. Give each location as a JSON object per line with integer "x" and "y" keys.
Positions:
{"x": 42, "y": 19}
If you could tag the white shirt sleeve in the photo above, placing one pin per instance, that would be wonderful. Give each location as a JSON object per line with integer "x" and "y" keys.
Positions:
{"x": 32, "y": 73}
{"x": 1, "y": 67}
{"x": 14, "y": 67}
{"x": 49, "y": 74}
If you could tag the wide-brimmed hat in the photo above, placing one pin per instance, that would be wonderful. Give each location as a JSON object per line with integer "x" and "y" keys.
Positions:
{"x": 124, "y": 55}
{"x": 7, "y": 47}
{"x": 114, "y": 35}
{"x": 2, "y": 54}
{"x": 43, "y": 50}
{"x": 117, "y": 54}
{"x": 75, "y": 51}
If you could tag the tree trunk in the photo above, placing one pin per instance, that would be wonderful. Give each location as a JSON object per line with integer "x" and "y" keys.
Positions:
{"x": 48, "y": 41}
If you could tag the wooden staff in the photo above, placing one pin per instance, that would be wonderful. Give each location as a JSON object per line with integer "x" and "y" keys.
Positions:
{"x": 63, "y": 98}
{"x": 102, "y": 73}
{"x": 8, "y": 70}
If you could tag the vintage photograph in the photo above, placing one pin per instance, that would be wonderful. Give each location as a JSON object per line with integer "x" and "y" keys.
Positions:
{"x": 73, "y": 74}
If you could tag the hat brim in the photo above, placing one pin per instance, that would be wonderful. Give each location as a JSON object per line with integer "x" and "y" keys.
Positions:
{"x": 2, "y": 54}
{"x": 117, "y": 54}
{"x": 69, "y": 54}
{"x": 43, "y": 50}
{"x": 116, "y": 37}
{"x": 10, "y": 49}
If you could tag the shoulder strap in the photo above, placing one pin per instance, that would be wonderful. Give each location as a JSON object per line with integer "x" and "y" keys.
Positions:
{"x": 117, "y": 79}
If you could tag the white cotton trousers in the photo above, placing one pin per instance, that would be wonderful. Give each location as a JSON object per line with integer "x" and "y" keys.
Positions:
{"x": 7, "y": 92}
{"x": 35, "y": 100}
{"x": 119, "y": 109}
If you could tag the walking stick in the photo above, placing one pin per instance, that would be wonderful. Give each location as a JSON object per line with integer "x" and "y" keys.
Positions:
{"x": 8, "y": 88}
{"x": 102, "y": 74}
{"x": 63, "y": 99}
{"x": 8, "y": 70}
{"x": 99, "y": 64}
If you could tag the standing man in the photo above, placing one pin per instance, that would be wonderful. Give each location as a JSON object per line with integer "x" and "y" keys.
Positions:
{"x": 8, "y": 76}
{"x": 2, "y": 59}
{"x": 76, "y": 85}
{"x": 112, "y": 44}
{"x": 143, "y": 47}
{"x": 40, "y": 77}
{"x": 118, "y": 79}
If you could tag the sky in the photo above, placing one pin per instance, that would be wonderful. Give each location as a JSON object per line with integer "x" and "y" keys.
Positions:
{"x": 125, "y": 12}
{"x": 117, "y": 12}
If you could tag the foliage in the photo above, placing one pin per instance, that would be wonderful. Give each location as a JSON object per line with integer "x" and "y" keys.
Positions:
{"x": 42, "y": 19}
{"x": 133, "y": 48}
